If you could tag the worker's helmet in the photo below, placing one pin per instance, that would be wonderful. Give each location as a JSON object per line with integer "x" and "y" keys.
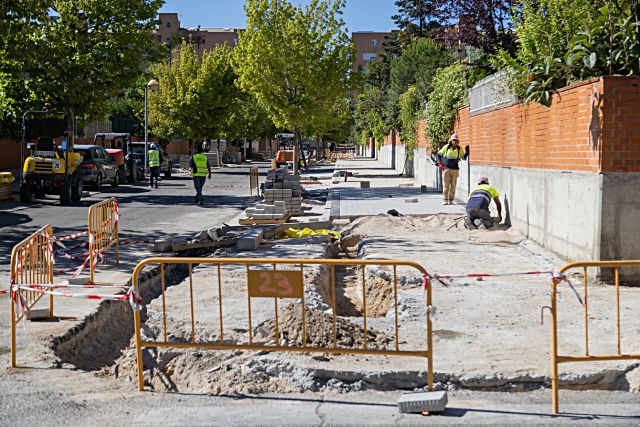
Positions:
{"x": 483, "y": 180}
{"x": 205, "y": 146}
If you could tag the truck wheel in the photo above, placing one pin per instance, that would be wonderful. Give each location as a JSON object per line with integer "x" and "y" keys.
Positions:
{"x": 65, "y": 192}
{"x": 26, "y": 194}
{"x": 98, "y": 183}
{"x": 123, "y": 174}
{"x": 167, "y": 174}
{"x": 76, "y": 190}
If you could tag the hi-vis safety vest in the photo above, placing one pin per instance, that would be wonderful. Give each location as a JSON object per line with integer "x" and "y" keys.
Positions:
{"x": 201, "y": 165}
{"x": 451, "y": 155}
{"x": 154, "y": 158}
{"x": 481, "y": 196}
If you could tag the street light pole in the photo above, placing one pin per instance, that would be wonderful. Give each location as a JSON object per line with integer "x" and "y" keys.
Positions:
{"x": 153, "y": 85}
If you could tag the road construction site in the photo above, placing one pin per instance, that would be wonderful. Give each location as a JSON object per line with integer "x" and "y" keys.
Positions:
{"x": 487, "y": 329}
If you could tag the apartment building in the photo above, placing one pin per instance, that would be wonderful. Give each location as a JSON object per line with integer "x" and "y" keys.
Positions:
{"x": 368, "y": 46}
{"x": 368, "y": 43}
{"x": 201, "y": 38}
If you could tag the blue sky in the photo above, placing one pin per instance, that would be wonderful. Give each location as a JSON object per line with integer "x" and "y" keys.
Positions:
{"x": 359, "y": 15}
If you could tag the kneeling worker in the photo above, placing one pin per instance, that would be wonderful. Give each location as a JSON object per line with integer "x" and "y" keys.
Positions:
{"x": 478, "y": 215}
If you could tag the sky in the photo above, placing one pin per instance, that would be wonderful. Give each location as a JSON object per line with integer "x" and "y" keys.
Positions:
{"x": 359, "y": 15}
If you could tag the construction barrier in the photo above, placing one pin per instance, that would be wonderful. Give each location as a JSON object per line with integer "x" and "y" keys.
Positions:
{"x": 557, "y": 358}
{"x": 103, "y": 231}
{"x": 253, "y": 182}
{"x": 31, "y": 264}
{"x": 281, "y": 279}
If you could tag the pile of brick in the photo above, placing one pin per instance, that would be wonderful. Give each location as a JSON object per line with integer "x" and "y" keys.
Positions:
{"x": 277, "y": 210}
{"x": 283, "y": 187}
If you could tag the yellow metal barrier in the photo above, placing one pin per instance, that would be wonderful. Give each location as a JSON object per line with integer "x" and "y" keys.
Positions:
{"x": 278, "y": 282}
{"x": 103, "y": 231}
{"x": 31, "y": 264}
{"x": 254, "y": 178}
{"x": 556, "y": 358}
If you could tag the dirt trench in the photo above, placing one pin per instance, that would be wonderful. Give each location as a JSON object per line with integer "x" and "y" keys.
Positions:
{"x": 104, "y": 334}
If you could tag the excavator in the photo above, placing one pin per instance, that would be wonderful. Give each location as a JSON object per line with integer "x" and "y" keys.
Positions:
{"x": 49, "y": 168}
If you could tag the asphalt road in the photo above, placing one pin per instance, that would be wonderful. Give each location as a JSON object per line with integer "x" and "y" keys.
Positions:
{"x": 166, "y": 212}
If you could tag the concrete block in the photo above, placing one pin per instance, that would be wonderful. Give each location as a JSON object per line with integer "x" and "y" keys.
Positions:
{"x": 162, "y": 245}
{"x": 250, "y": 240}
{"x": 365, "y": 184}
{"x": 416, "y": 403}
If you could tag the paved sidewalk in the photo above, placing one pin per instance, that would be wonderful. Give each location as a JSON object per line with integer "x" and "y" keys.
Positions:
{"x": 387, "y": 191}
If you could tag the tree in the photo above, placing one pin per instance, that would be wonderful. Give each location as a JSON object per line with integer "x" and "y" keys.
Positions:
{"x": 295, "y": 61}
{"x": 484, "y": 24}
{"x": 417, "y": 18}
{"x": 19, "y": 26}
{"x": 195, "y": 97}
{"x": 416, "y": 66}
{"x": 91, "y": 50}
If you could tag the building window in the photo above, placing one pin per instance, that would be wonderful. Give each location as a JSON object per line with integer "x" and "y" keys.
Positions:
{"x": 168, "y": 24}
{"x": 374, "y": 43}
{"x": 369, "y": 56}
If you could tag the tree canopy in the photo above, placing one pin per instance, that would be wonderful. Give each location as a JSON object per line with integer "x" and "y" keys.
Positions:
{"x": 295, "y": 61}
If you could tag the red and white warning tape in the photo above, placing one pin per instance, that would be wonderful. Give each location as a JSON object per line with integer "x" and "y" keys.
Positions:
{"x": 135, "y": 302}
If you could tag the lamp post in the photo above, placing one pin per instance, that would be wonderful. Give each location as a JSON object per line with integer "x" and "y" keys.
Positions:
{"x": 153, "y": 85}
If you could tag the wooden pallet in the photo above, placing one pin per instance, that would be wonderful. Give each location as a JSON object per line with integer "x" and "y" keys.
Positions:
{"x": 251, "y": 221}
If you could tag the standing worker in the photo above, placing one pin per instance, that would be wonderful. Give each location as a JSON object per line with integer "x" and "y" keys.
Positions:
{"x": 155, "y": 159}
{"x": 478, "y": 215}
{"x": 199, "y": 164}
{"x": 449, "y": 157}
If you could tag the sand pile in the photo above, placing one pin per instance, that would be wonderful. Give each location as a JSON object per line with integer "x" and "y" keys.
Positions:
{"x": 320, "y": 330}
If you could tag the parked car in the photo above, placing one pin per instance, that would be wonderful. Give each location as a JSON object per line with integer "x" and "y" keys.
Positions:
{"x": 98, "y": 167}
{"x": 166, "y": 166}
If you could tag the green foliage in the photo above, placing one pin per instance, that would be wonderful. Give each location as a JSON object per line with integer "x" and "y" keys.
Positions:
{"x": 416, "y": 18}
{"x": 74, "y": 54}
{"x": 607, "y": 46}
{"x": 379, "y": 132}
{"x": 411, "y": 111}
{"x": 296, "y": 61}
{"x": 415, "y": 67}
{"x": 450, "y": 89}
{"x": 544, "y": 29}
{"x": 195, "y": 97}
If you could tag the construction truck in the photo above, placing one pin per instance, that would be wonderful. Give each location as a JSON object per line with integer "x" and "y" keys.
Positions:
{"x": 49, "y": 168}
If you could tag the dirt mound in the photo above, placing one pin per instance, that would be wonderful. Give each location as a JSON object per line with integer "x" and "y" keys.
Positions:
{"x": 320, "y": 330}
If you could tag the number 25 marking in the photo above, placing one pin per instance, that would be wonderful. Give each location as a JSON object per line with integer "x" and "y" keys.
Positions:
{"x": 282, "y": 287}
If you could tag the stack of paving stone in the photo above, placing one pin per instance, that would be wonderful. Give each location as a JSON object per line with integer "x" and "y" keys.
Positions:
{"x": 281, "y": 186}
{"x": 266, "y": 211}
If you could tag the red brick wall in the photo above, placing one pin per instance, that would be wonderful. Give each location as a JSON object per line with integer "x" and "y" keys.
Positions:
{"x": 565, "y": 136}
{"x": 620, "y": 132}
{"x": 10, "y": 158}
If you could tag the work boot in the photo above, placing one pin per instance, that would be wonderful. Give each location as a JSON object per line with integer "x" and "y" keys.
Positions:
{"x": 468, "y": 224}
{"x": 479, "y": 224}
{"x": 445, "y": 202}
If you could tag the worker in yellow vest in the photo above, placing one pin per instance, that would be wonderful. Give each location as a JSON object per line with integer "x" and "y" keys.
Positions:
{"x": 448, "y": 158}
{"x": 478, "y": 215}
{"x": 155, "y": 159}
{"x": 200, "y": 168}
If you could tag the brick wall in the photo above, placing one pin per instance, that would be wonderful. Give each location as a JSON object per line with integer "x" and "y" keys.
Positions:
{"x": 10, "y": 158}
{"x": 565, "y": 136}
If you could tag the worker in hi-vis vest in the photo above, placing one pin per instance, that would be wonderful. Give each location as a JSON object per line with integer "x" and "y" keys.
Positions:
{"x": 155, "y": 159}
{"x": 448, "y": 158}
{"x": 200, "y": 168}
{"x": 478, "y": 215}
